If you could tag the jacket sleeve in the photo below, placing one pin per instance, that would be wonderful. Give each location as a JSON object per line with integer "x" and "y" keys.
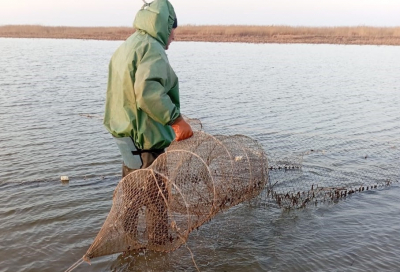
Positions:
{"x": 153, "y": 75}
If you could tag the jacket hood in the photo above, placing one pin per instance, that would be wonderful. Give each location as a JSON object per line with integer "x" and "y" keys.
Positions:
{"x": 156, "y": 19}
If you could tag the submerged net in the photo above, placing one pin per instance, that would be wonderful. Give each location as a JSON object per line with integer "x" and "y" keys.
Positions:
{"x": 158, "y": 207}
{"x": 318, "y": 176}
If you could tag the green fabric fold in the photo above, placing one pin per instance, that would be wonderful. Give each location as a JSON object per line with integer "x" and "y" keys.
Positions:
{"x": 143, "y": 90}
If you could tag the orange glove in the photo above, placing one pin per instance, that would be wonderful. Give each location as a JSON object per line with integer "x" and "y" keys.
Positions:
{"x": 182, "y": 129}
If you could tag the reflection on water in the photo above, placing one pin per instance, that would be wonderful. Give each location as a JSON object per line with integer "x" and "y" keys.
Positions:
{"x": 291, "y": 98}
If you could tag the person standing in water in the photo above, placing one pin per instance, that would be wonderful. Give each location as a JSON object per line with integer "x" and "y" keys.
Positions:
{"x": 142, "y": 103}
{"x": 143, "y": 109}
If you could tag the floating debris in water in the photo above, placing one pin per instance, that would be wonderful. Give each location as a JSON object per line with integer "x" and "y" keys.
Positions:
{"x": 64, "y": 179}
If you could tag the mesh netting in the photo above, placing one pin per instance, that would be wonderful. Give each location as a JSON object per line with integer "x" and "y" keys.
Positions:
{"x": 158, "y": 207}
{"x": 319, "y": 176}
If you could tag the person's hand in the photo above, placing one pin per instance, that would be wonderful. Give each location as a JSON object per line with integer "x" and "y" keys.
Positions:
{"x": 182, "y": 129}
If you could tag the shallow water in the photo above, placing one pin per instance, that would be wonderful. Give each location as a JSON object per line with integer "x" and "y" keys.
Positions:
{"x": 292, "y": 98}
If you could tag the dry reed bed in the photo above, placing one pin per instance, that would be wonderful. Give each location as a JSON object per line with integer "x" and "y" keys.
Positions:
{"x": 226, "y": 33}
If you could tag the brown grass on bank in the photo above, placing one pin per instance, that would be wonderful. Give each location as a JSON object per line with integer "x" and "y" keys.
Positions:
{"x": 289, "y": 34}
{"x": 222, "y": 33}
{"x": 62, "y": 32}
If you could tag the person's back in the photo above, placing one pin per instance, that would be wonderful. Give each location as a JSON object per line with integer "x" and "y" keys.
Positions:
{"x": 143, "y": 91}
{"x": 143, "y": 109}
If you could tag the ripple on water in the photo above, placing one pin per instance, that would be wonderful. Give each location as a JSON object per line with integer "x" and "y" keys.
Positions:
{"x": 292, "y": 98}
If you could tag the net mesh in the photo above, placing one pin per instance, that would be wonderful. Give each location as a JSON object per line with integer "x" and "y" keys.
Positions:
{"x": 319, "y": 176}
{"x": 158, "y": 207}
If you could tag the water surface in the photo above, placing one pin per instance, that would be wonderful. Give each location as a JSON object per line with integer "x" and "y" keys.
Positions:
{"x": 292, "y": 98}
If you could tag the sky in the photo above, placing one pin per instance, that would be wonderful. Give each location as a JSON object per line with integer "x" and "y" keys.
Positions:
{"x": 205, "y": 12}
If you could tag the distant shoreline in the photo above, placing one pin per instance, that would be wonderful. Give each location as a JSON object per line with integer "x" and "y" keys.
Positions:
{"x": 361, "y": 35}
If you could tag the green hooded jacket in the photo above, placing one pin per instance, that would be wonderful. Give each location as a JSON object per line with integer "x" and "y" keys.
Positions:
{"x": 143, "y": 93}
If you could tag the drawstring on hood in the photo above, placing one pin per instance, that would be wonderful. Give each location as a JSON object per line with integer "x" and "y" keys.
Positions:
{"x": 145, "y": 4}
